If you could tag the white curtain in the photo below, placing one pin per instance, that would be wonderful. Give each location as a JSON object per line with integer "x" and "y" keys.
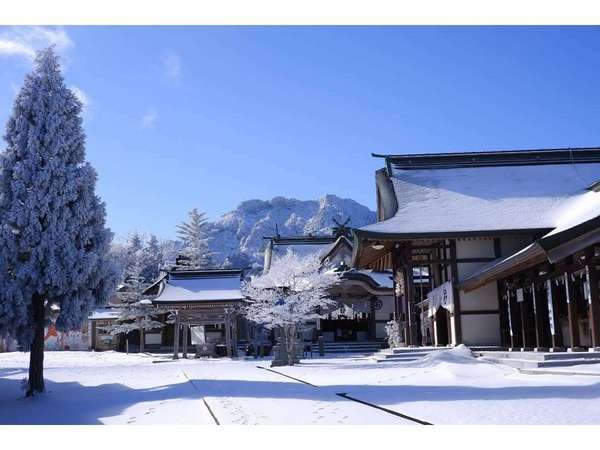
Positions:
{"x": 442, "y": 297}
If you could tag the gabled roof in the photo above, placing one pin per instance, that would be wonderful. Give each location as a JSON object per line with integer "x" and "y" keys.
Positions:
{"x": 301, "y": 245}
{"x": 198, "y": 286}
{"x": 341, "y": 241}
{"x": 484, "y": 192}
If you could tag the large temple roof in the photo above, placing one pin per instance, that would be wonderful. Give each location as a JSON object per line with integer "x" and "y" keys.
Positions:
{"x": 487, "y": 191}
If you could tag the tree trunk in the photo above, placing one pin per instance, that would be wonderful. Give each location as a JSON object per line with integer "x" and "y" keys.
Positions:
{"x": 290, "y": 347}
{"x": 142, "y": 339}
{"x": 36, "y": 353}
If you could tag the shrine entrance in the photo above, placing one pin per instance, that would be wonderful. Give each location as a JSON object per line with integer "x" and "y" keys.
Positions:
{"x": 346, "y": 329}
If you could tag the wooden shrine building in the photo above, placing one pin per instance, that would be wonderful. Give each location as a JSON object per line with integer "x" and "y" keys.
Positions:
{"x": 509, "y": 240}
{"x": 206, "y": 301}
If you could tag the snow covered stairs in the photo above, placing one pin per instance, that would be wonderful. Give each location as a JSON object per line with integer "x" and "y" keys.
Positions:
{"x": 536, "y": 360}
{"x": 404, "y": 354}
{"x": 349, "y": 347}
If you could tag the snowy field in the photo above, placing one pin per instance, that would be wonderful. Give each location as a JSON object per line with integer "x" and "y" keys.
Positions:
{"x": 447, "y": 387}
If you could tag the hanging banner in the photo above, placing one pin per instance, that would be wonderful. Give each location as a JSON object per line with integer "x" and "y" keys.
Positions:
{"x": 550, "y": 306}
{"x": 441, "y": 296}
{"x": 510, "y": 328}
{"x": 520, "y": 297}
{"x": 198, "y": 336}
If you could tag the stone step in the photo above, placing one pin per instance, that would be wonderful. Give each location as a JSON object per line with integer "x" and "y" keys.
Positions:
{"x": 535, "y": 364}
{"x": 400, "y": 356}
{"x": 409, "y": 350}
{"x": 540, "y": 356}
{"x": 384, "y": 360}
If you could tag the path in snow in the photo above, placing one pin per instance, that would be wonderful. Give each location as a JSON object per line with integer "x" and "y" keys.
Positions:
{"x": 113, "y": 388}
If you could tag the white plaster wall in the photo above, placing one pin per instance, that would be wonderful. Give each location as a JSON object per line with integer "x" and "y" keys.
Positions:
{"x": 475, "y": 248}
{"x": 481, "y": 329}
{"x": 485, "y": 297}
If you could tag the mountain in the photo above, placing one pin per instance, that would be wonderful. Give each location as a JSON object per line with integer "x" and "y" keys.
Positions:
{"x": 236, "y": 239}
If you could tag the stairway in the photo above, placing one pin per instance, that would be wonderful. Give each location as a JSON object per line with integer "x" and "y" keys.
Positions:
{"x": 536, "y": 360}
{"x": 349, "y": 347}
{"x": 404, "y": 354}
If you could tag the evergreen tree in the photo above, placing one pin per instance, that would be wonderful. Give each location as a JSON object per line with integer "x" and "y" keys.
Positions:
{"x": 152, "y": 257}
{"x": 53, "y": 241}
{"x": 192, "y": 234}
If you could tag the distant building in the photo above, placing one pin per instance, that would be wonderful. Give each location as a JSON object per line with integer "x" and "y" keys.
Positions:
{"x": 510, "y": 239}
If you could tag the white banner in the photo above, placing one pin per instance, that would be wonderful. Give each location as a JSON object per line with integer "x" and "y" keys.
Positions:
{"x": 198, "y": 336}
{"x": 441, "y": 296}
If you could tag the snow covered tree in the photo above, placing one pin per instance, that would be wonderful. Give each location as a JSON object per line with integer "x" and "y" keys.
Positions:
{"x": 292, "y": 293}
{"x": 136, "y": 311}
{"x": 53, "y": 240}
{"x": 192, "y": 234}
{"x": 152, "y": 259}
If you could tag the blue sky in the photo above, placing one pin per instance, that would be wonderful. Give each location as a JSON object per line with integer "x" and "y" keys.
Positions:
{"x": 206, "y": 117}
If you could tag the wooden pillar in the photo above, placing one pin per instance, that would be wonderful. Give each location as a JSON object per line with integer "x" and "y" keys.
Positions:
{"x": 527, "y": 342}
{"x": 142, "y": 338}
{"x": 573, "y": 312}
{"x": 185, "y": 340}
{"x": 455, "y": 293}
{"x": 176, "y": 336}
{"x": 553, "y": 318}
{"x": 372, "y": 322}
{"x": 397, "y": 308}
{"x": 228, "y": 334}
{"x": 409, "y": 295}
{"x": 591, "y": 275}
{"x": 234, "y": 335}
{"x": 540, "y": 311}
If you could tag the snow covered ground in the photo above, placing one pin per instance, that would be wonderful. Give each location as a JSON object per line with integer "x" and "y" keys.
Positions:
{"x": 447, "y": 387}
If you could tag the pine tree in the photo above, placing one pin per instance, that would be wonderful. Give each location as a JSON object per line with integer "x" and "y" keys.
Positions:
{"x": 152, "y": 258}
{"x": 192, "y": 234}
{"x": 53, "y": 241}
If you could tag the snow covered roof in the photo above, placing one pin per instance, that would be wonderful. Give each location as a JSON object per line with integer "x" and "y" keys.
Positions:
{"x": 382, "y": 278}
{"x": 302, "y": 245}
{"x": 104, "y": 314}
{"x": 579, "y": 228}
{"x": 196, "y": 286}
{"x": 487, "y": 191}
{"x": 485, "y": 198}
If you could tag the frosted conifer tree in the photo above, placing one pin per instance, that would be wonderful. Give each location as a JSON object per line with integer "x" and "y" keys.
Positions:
{"x": 53, "y": 240}
{"x": 192, "y": 234}
{"x": 137, "y": 311}
{"x": 152, "y": 258}
{"x": 292, "y": 293}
